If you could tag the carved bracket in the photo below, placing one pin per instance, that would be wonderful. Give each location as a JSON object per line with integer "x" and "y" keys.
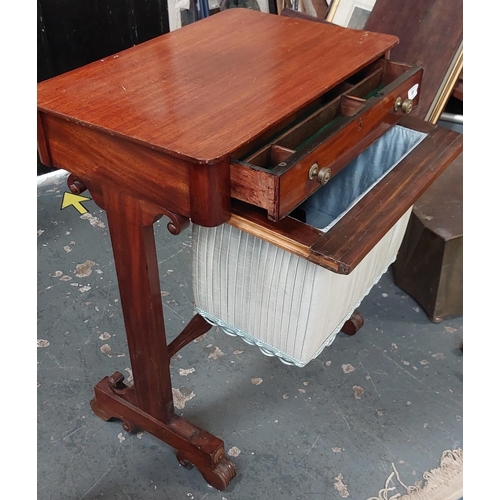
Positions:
{"x": 177, "y": 222}
{"x": 116, "y": 384}
{"x": 152, "y": 213}
{"x": 75, "y": 185}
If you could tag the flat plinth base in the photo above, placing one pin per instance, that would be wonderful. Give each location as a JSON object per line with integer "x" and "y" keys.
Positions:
{"x": 195, "y": 446}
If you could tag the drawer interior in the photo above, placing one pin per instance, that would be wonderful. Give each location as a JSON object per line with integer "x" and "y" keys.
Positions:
{"x": 342, "y": 101}
{"x": 328, "y": 204}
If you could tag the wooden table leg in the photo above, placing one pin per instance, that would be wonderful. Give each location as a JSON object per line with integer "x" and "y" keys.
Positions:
{"x": 148, "y": 403}
{"x": 353, "y": 324}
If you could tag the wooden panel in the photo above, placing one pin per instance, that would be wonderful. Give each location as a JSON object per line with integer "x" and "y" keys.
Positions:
{"x": 430, "y": 33}
{"x": 350, "y": 240}
{"x": 288, "y": 12}
{"x": 90, "y": 155}
{"x": 280, "y": 154}
{"x": 350, "y": 105}
{"x": 178, "y": 92}
{"x": 209, "y": 193}
{"x": 289, "y": 233}
{"x": 253, "y": 185}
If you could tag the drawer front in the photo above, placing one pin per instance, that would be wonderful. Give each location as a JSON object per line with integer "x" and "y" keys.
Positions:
{"x": 337, "y": 150}
{"x": 352, "y": 124}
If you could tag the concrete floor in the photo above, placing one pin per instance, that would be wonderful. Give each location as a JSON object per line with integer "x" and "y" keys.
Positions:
{"x": 302, "y": 433}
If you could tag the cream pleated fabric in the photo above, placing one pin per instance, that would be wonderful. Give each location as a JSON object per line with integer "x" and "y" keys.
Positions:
{"x": 289, "y": 307}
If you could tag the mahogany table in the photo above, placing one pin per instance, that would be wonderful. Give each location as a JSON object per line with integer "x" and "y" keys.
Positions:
{"x": 150, "y": 132}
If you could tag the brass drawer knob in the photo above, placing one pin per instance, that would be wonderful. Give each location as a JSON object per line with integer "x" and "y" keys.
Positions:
{"x": 322, "y": 175}
{"x": 406, "y": 105}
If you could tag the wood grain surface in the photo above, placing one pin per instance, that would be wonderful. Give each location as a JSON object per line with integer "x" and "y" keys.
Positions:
{"x": 201, "y": 92}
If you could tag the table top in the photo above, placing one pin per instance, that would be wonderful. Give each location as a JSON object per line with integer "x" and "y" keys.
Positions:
{"x": 203, "y": 91}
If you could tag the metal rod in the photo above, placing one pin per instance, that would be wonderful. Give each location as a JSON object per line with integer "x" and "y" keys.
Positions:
{"x": 450, "y": 117}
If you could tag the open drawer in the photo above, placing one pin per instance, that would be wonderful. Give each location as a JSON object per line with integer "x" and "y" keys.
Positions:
{"x": 363, "y": 201}
{"x": 278, "y": 172}
{"x": 272, "y": 283}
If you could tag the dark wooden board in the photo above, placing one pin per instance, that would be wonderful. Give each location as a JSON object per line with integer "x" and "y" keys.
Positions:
{"x": 430, "y": 33}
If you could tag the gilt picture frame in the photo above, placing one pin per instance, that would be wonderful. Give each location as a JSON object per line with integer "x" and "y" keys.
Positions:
{"x": 350, "y": 13}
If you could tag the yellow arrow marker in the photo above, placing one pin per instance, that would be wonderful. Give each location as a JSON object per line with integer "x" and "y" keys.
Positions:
{"x": 75, "y": 200}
